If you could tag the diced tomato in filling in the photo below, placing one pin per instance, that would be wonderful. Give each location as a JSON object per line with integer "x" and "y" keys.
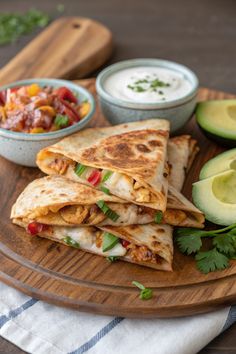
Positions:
{"x": 65, "y": 94}
{"x": 95, "y": 178}
{"x": 34, "y": 228}
{"x": 125, "y": 243}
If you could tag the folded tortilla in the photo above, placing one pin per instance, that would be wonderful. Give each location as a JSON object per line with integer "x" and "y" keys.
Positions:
{"x": 147, "y": 245}
{"x": 55, "y": 200}
{"x": 134, "y": 152}
{"x": 182, "y": 151}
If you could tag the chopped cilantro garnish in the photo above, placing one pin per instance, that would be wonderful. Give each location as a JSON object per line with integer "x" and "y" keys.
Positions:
{"x": 61, "y": 121}
{"x": 145, "y": 293}
{"x": 13, "y": 24}
{"x": 148, "y": 85}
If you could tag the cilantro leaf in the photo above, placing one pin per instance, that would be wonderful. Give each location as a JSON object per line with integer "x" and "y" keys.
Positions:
{"x": 211, "y": 261}
{"x": 189, "y": 243}
{"x": 225, "y": 243}
{"x": 232, "y": 232}
{"x": 186, "y": 231}
{"x": 61, "y": 121}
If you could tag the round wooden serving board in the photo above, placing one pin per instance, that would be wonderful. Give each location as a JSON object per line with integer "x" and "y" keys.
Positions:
{"x": 68, "y": 277}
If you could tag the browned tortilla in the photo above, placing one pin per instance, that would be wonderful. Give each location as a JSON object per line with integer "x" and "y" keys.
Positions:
{"x": 181, "y": 154}
{"x": 136, "y": 150}
{"x": 157, "y": 239}
{"x": 54, "y": 200}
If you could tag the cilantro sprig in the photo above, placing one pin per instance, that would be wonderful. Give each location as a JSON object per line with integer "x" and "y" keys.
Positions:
{"x": 145, "y": 293}
{"x": 223, "y": 249}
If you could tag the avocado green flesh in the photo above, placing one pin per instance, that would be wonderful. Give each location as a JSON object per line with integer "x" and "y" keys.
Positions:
{"x": 218, "y": 118}
{"x": 222, "y": 162}
{"x": 216, "y": 197}
{"x": 224, "y": 187}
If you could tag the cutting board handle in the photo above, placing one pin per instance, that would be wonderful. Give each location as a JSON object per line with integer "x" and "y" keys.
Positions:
{"x": 70, "y": 47}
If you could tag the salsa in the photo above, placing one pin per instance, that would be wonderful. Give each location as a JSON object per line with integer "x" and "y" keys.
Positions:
{"x": 35, "y": 109}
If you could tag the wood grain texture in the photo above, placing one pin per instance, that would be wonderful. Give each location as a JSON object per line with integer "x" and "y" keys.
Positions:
{"x": 69, "y": 47}
{"x": 72, "y": 278}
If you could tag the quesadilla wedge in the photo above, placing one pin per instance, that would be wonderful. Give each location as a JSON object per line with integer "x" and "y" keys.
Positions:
{"x": 181, "y": 153}
{"x": 128, "y": 159}
{"x": 54, "y": 200}
{"x": 147, "y": 245}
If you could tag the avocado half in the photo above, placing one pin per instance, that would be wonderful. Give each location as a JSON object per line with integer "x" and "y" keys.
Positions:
{"x": 217, "y": 119}
{"x": 222, "y": 162}
{"x": 215, "y": 196}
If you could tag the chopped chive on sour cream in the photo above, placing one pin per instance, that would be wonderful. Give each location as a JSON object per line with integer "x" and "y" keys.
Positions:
{"x": 147, "y": 84}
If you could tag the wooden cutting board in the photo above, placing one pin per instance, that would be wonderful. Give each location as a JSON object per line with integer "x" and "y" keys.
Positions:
{"x": 68, "y": 277}
{"x": 68, "y": 47}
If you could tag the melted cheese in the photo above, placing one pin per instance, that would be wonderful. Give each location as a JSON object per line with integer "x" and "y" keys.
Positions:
{"x": 86, "y": 237}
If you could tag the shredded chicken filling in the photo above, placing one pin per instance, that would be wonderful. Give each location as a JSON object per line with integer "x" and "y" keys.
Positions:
{"x": 142, "y": 254}
{"x": 82, "y": 214}
{"x": 142, "y": 194}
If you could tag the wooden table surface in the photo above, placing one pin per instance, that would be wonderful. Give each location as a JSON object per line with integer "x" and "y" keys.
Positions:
{"x": 200, "y": 34}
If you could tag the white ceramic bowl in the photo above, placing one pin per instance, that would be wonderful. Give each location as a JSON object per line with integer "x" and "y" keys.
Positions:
{"x": 177, "y": 111}
{"x": 22, "y": 148}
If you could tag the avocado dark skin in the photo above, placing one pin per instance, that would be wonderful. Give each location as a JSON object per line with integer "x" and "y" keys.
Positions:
{"x": 225, "y": 142}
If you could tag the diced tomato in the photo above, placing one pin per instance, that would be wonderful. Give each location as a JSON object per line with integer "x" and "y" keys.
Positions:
{"x": 95, "y": 178}
{"x": 14, "y": 89}
{"x": 34, "y": 228}
{"x": 2, "y": 98}
{"x": 125, "y": 243}
{"x": 71, "y": 112}
{"x": 66, "y": 95}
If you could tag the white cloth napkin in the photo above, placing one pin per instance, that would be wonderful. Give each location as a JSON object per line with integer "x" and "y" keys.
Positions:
{"x": 40, "y": 328}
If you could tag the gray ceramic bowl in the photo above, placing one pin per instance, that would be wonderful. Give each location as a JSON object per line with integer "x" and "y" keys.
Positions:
{"x": 117, "y": 111}
{"x": 22, "y": 148}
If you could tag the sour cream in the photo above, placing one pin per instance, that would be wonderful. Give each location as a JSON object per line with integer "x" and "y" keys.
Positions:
{"x": 147, "y": 84}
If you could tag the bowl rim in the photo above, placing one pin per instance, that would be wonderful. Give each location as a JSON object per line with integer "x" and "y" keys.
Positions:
{"x": 125, "y": 64}
{"x": 58, "y": 133}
